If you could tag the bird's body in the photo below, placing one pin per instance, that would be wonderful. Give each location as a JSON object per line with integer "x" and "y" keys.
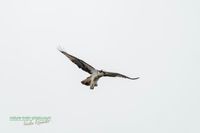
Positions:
{"x": 95, "y": 74}
{"x": 93, "y": 79}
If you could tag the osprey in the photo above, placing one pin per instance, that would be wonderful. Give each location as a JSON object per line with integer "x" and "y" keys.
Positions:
{"x": 94, "y": 73}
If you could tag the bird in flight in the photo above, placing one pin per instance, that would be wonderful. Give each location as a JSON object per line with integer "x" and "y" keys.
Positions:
{"x": 94, "y": 73}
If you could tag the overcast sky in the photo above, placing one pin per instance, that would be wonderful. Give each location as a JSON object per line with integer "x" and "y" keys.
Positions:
{"x": 157, "y": 40}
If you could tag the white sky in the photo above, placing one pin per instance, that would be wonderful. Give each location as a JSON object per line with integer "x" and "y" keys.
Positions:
{"x": 157, "y": 40}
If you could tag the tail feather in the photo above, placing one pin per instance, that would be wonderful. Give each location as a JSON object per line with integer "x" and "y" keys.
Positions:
{"x": 86, "y": 81}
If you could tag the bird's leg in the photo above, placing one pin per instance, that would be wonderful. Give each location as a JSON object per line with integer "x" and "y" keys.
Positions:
{"x": 96, "y": 84}
{"x": 92, "y": 86}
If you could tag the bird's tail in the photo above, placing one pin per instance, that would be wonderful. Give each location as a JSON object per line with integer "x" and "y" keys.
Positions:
{"x": 87, "y": 81}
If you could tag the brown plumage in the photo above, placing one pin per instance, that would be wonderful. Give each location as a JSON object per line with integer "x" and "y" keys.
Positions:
{"x": 95, "y": 74}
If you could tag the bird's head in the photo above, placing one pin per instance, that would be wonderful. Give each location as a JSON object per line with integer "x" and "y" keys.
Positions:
{"x": 101, "y": 71}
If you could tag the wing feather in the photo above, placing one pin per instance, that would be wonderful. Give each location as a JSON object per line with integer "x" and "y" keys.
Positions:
{"x": 80, "y": 63}
{"x": 113, "y": 74}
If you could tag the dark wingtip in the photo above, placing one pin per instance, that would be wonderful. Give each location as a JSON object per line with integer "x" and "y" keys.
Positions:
{"x": 134, "y": 78}
{"x": 61, "y": 49}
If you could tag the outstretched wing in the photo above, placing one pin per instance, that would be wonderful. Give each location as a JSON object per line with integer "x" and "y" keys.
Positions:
{"x": 80, "y": 63}
{"x": 112, "y": 74}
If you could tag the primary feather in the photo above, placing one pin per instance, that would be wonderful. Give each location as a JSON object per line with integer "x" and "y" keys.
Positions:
{"x": 80, "y": 63}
